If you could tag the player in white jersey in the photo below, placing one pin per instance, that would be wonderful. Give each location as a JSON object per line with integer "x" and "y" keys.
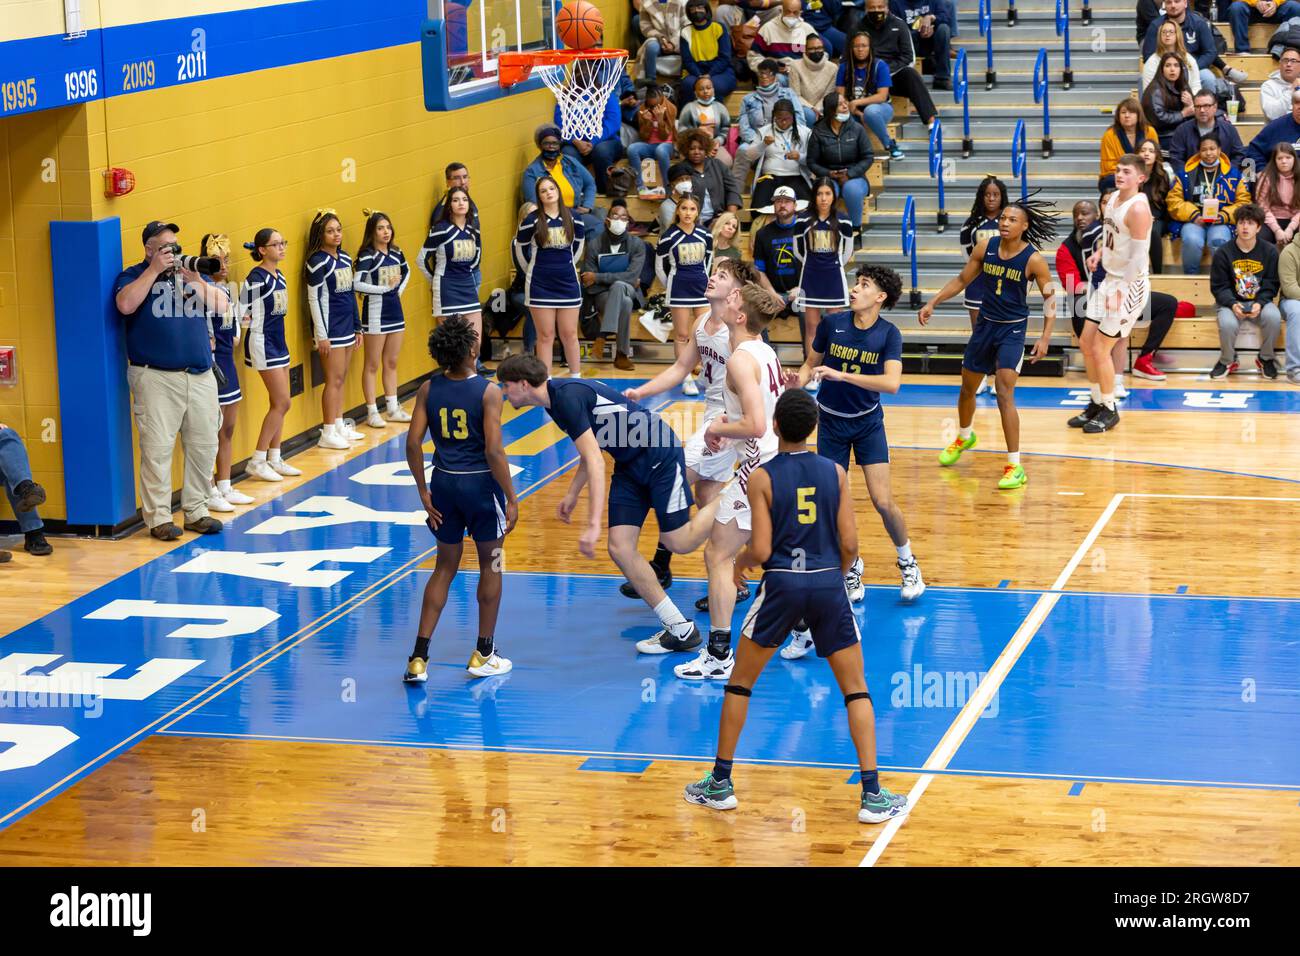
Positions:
{"x": 709, "y": 348}
{"x": 1120, "y": 300}
{"x": 753, "y": 384}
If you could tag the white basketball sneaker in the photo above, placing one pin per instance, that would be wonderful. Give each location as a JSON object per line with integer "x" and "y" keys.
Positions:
{"x": 396, "y": 413}
{"x": 853, "y": 582}
{"x": 282, "y": 467}
{"x": 218, "y": 502}
{"x": 262, "y": 471}
{"x": 491, "y": 666}
{"x": 331, "y": 439}
{"x": 985, "y": 386}
{"x": 348, "y": 430}
{"x": 375, "y": 420}
{"x": 237, "y": 497}
{"x": 707, "y": 667}
{"x": 913, "y": 586}
{"x": 801, "y": 642}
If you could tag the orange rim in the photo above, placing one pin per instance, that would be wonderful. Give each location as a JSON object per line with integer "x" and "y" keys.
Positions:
{"x": 514, "y": 67}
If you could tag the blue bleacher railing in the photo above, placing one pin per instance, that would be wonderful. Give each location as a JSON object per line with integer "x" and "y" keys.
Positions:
{"x": 909, "y": 248}
{"x": 986, "y": 31}
{"x": 1085, "y": 17}
{"x": 936, "y": 171}
{"x": 1040, "y": 96}
{"x": 1011, "y": 13}
{"x": 1063, "y": 29}
{"x": 1020, "y": 158}
{"x": 961, "y": 94}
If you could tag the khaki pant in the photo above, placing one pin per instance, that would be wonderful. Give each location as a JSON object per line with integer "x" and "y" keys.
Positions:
{"x": 163, "y": 405}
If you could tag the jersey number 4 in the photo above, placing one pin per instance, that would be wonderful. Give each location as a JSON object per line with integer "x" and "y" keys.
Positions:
{"x": 462, "y": 424}
{"x": 772, "y": 381}
{"x": 807, "y": 507}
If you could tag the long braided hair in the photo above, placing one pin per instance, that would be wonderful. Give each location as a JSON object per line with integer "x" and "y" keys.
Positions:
{"x": 1044, "y": 220}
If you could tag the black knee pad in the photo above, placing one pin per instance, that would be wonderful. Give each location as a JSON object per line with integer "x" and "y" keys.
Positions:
{"x": 738, "y": 690}
{"x": 849, "y": 698}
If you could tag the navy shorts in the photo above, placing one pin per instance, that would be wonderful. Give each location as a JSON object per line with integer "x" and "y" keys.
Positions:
{"x": 469, "y": 504}
{"x": 818, "y": 597}
{"x": 865, "y": 435}
{"x": 995, "y": 345}
{"x": 658, "y": 484}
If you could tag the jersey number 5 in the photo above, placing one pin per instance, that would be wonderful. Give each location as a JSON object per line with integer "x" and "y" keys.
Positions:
{"x": 462, "y": 424}
{"x": 807, "y": 507}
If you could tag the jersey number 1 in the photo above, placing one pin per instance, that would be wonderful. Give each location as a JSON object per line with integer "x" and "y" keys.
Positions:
{"x": 462, "y": 424}
{"x": 807, "y": 507}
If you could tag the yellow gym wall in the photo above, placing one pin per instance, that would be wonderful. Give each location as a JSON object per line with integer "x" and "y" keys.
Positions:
{"x": 232, "y": 155}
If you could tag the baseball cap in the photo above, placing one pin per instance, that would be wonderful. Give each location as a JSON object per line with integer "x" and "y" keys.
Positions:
{"x": 156, "y": 227}
{"x": 784, "y": 192}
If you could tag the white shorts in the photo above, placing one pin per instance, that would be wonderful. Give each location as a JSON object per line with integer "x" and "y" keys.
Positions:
{"x": 710, "y": 465}
{"x": 735, "y": 507}
{"x": 1119, "y": 324}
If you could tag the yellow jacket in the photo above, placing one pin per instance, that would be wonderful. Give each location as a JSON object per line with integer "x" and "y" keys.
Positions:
{"x": 1111, "y": 150}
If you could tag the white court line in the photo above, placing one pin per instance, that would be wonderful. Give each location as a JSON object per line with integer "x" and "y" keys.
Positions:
{"x": 1072, "y": 494}
{"x": 961, "y": 726}
{"x": 1155, "y": 494}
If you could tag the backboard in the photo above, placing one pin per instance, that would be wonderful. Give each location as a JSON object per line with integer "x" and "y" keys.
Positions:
{"x": 461, "y": 39}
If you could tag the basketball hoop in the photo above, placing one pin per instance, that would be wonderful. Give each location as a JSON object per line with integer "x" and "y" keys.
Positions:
{"x": 582, "y": 81}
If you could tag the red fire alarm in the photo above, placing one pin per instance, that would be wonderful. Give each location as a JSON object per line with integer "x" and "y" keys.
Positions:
{"x": 8, "y": 365}
{"x": 118, "y": 181}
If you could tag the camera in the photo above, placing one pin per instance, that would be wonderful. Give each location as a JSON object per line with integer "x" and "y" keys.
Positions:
{"x": 203, "y": 265}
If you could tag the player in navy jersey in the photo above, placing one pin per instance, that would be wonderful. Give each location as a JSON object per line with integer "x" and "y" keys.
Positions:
{"x": 381, "y": 277}
{"x": 264, "y": 302}
{"x": 823, "y": 243}
{"x": 858, "y": 355}
{"x": 224, "y": 331}
{"x": 649, "y": 474}
{"x": 683, "y": 261}
{"x": 548, "y": 248}
{"x": 805, "y": 538}
{"x": 997, "y": 345}
{"x": 333, "y": 308}
{"x": 981, "y": 224}
{"x": 450, "y": 259}
{"x": 469, "y": 490}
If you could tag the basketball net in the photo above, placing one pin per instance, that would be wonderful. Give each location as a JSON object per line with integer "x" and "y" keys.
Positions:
{"x": 581, "y": 80}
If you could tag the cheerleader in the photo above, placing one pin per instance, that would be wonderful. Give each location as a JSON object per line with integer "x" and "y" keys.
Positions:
{"x": 450, "y": 258}
{"x": 823, "y": 243}
{"x": 981, "y": 224}
{"x": 381, "y": 277}
{"x": 333, "y": 307}
{"x": 264, "y": 301}
{"x": 683, "y": 260}
{"x": 224, "y": 332}
{"x": 548, "y": 247}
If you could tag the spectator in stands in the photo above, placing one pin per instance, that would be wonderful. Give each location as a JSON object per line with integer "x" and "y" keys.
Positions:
{"x": 681, "y": 182}
{"x": 726, "y": 231}
{"x": 1205, "y": 118}
{"x": 712, "y": 182}
{"x": 865, "y": 82}
{"x": 1148, "y": 11}
{"x": 1275, "y": 92}
{"x": 577, "y": 187}
{"x": 1205, "y": 198}
{"x": 1276, "y": 193}
{"x": 1198, "y": 38}
{"x": 661, "y": 23}
{"x": 656, "y": 123}
{"x": 1169, "y": 39}
{"x": 774, "y": 258}
{"x": 1243, "y": 13}
{"x": 706, "y": 113}
{"x": 24, "y": 494}
{"x": 1288, "y": 268}
{"x": 931, "y": 35}
{"x": 1129, "y": 128}
{"x": 1244, "y": 283}
{"x": 892, "y": 42}
{"x": 611, "y": 282}
{"x": 706, "y": 51}
{"x": 780, "y": 157}
{"x": 756, "y": 112}
{"x": 824, "y": 15}
{"x": 813, "y": 76}
{"x": 732, "y": 13}
{"x": 839, "y": 148}
{"x": 781, "y": 39}
{"x": 1156, "y": 187}
{"x": 1284, "y": 129}
{"x": 1167, "y": 102}
{"x": 456, "y": 174}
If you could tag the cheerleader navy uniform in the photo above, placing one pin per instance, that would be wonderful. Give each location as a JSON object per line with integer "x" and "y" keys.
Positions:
{"x": 998, "y": 340}
{"x": 265, "y": 301}
{"x": 683, "y": 262}
{"x": 972, "y": 236}
{"x": 225, "y": 338}
{"x": 851, "y": 417}
{"x": 331, "y": 299}
{"x": 450, "y": 258}
{"x": 803, "y": 484}
{"x": 550, "y": 270}
{"x": 381, "y": 306}
{"x": 461, "y": 486}
{"x": 824, "y": 246}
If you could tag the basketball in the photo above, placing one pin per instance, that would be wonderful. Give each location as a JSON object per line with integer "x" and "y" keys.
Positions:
{"x": 579, "y": 25}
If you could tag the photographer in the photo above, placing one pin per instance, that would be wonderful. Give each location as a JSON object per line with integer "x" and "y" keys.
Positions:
{"x": 165, "y": 304}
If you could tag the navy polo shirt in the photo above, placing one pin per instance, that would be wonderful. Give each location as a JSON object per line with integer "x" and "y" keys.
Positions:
{"x": 166, "y": 331}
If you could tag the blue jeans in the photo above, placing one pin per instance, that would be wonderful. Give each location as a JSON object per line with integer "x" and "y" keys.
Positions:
{"x": 1195, "y": 236}
{"x": 14, "y": 470}
{"x": 1291, "y": 313}
{"x": 663, "y": 152}
{"x": 652, "y": 51}
{"x": 1242, "y": 15}
{"x": 876, "y": 117}
{"x": 854, "y": 192}
{"x": 604, "y": 153}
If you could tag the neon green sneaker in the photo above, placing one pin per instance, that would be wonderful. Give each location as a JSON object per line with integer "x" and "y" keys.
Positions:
{"x": 950, "y": 454}
{"x": 1013, "y": 476}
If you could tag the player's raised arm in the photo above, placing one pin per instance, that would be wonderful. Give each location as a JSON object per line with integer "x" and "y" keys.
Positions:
{"x": 1043, "y": 276}
{"x": 495, "y": 452}
{"x": 670, "y": 377}
{"x": 759, "y": 548}
{"x": 954, "y": 285}
{"x": 845, "y": 524}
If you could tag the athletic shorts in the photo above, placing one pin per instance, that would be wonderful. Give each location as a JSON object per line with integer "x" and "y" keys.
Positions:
{"x": 735, "y": 507}
{"x": 995, "y": 345}
{"x": 817, "y": 597}
{"x": 865, "y": 435}
{"x": 1117, "y": 325}
{"x": 471, "y": 505}
{"x": 710, "y": 465}
{"x": 659, "y": 485}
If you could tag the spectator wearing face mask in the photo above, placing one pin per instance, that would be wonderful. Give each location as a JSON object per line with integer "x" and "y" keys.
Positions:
{"x": 706, "y": 51}
{"x": 891, "y": 41}
{"x": 577, "y": 187}
{"x": 813, "y": 76}
{"x": 756, "y": 112}
{"x": 611, "y": 280}
{"x": 781, "y": 39}
{"x": 1205, "y": 198}
{"x": 706, "y": 113}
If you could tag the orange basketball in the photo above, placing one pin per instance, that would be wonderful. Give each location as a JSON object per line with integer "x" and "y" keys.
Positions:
{"x": 579, "y": 25}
